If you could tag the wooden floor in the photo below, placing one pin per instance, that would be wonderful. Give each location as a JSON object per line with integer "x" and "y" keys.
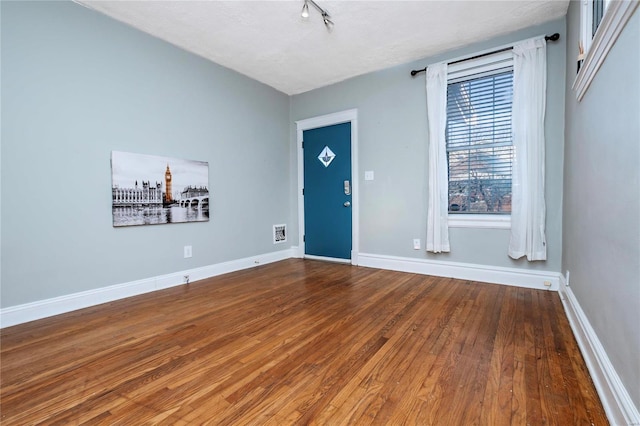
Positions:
{"x": 304, "y": 342}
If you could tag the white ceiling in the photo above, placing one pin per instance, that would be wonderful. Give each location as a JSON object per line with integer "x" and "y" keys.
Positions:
{"x": 270, "y": 42}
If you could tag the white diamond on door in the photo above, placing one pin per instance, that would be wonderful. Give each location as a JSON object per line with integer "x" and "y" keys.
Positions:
{"x": 326, "y": 156}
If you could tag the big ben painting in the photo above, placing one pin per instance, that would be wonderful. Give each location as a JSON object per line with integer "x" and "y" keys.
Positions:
{"x": 152, "y": 190}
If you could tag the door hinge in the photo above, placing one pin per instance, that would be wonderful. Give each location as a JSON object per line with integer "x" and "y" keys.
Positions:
{"x": 302, "y": 144}
{"x": 304, "y": 238}
{"x": 302, "y": 191}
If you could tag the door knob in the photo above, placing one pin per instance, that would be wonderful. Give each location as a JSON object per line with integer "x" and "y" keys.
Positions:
{"x": 347, "y": 203}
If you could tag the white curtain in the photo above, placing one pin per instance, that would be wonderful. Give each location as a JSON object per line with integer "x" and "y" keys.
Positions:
{"x": 437, "y": 227}
{"x": 529, "y": 99}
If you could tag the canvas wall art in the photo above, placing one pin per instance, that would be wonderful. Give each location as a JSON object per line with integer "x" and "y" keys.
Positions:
{"x": 152, "y": 190}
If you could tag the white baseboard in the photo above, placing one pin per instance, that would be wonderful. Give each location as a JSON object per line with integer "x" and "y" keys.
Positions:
{"x": 464, "y": 271}
{"x": 19, "y": 314}
{"x": 617, "y": 403}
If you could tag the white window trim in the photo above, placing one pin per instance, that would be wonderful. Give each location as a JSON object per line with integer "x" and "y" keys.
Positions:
{"x": 616, "y": 16}
{"x": 493, "y": 221}
{"x": 456, "y": 72}
{"x": 586, "y": 24}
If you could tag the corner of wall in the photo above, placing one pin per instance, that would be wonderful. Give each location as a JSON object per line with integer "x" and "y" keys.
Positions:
{"x": 614, "y": 396}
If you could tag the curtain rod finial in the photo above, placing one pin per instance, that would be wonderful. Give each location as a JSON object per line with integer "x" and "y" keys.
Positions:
{"x": 553, "y": 37}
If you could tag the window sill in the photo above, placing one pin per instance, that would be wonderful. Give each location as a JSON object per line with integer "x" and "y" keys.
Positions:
{"x": 613, "y": 21}
{"x": 479, "y": 221}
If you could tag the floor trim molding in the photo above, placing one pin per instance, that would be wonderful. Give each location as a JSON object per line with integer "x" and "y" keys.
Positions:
{"x": 617, "y": 403}
{"x": 19, "y": 314}
{"x": 464, "y": 271}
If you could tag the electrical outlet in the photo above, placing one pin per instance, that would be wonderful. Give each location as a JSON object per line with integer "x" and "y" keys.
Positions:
{"x": 416, "y": 243}
{"x": 188, "y": 252}
{"x": 547, "y": 283}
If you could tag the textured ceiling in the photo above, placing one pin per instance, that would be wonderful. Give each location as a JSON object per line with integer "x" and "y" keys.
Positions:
{"x": 270, "y": 42}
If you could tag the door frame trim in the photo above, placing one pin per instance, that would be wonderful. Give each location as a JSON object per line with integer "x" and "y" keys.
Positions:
{"x": 347, "y": 116}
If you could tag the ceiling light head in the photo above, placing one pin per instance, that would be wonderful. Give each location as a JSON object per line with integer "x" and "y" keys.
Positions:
{"x": 327, "y": 22}
{"x": 325, "y": 15}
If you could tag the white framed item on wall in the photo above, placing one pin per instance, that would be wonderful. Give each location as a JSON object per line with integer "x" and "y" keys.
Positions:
{"x": 279, "y": 233}
{"x": 153, "y": 190}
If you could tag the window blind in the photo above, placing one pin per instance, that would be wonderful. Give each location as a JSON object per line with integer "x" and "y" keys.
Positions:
{"x": 479, "y": 143}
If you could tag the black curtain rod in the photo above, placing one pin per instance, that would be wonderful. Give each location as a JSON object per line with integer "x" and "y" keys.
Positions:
{"x": 552, "y": 37}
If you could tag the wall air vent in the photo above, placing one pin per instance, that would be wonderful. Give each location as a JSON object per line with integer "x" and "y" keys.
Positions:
{"x": 279, "y": 234}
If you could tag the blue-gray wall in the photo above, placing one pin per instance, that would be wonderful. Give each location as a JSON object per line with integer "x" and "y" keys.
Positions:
{"x": 77, "y": 85}
{"x": 601, "y": 228}
{"x": 393, "y": 143}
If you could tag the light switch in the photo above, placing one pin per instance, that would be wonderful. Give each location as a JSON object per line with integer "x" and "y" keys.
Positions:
{"x": 368, "y": 175}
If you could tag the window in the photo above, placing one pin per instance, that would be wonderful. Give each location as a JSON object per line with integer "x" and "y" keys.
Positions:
{"x": 601, "y": 23}
{"x": 479, "y": 141}
{"x": 591, "y": 15}
{"x": 597, "y": 7}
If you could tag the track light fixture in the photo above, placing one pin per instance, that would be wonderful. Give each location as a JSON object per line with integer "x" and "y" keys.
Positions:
{"x": 326, "y": 18}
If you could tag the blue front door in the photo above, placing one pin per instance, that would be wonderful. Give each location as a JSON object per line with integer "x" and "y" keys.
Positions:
{"x": 327, "y": 191}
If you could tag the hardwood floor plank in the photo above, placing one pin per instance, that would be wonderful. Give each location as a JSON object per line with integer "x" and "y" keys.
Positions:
{"x": 544, "y": 353}
{"x": 557, "y": 392}
{"x": 532, "y": 381}
{"x": 519, "y": 398}
{"x": 496, "y": 408}
{"x": 401, "y": 388}
{"x": 431, "y": 393}
{"x": 387, "y": 367}
{"x": 381, "y": 318}
{"x": 482, "y": 353}
{"x": 459, "y": 385}
{"x": 303, "y": 342}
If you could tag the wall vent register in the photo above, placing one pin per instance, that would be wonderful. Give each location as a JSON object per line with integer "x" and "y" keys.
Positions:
{"x": 279, "y": 234}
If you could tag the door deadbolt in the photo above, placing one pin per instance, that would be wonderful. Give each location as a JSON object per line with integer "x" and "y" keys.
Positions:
{"x": 347, "y": 187}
